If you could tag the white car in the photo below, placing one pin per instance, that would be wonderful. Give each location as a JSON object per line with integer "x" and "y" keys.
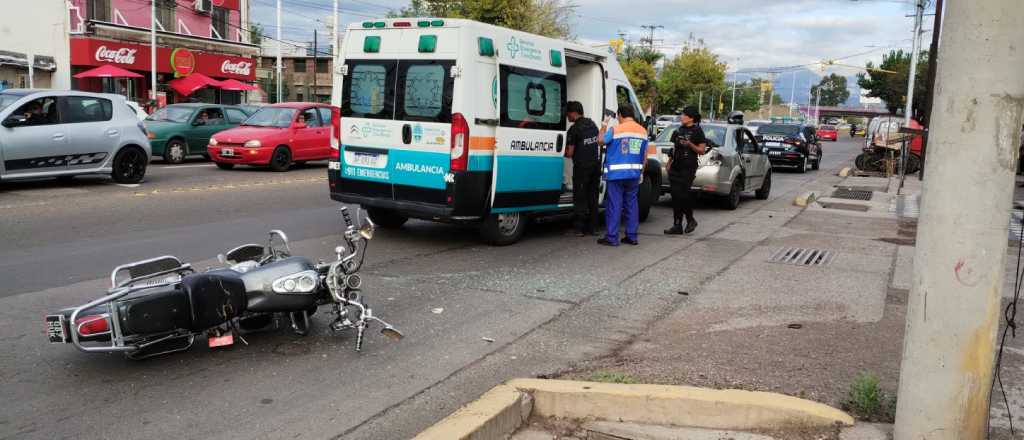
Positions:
{"x": 139, "y": 112}
{"x": 754, "y": 125}
{"x": 664, "y": 121}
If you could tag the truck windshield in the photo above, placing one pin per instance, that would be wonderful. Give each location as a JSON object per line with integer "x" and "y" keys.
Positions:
{"x": 271, "y": 117}
{"x": 173, "y": 114}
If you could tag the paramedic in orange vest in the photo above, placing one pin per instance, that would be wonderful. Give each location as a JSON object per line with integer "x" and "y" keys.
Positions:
{"x": 624, "y": 162}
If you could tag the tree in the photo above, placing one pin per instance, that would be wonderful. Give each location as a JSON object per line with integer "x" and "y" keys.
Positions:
{"x": 638, "y": 62}
{"x": 543, "y": 17}
{"x": 832, "y": 89}
{"x": 695, "y": 71}
{"x": 891, "y": 88}
{"x": 256, "y": 33}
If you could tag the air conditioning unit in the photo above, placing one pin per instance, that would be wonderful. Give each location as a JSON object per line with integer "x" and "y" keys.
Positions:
{"x": 204, "y": 6}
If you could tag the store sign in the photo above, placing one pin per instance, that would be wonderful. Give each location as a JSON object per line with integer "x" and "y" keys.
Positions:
{"x": 237, "y": 68}
{"x": 122, "y": 55}
{"x": 183, "y": 62}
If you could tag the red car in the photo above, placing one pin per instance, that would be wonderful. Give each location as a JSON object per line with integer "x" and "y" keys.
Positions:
{"x": 828, "y": 132}
{"x": 277, "y": 136}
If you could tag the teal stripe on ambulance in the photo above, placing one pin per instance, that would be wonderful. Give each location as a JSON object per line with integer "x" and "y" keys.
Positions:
{"x": 529, "y": 173}
{"x": 405, "y": 167}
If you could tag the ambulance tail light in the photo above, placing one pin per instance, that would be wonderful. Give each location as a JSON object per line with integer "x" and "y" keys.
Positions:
{"x": 336, "y": 131}
{"x": 460, "y": 143}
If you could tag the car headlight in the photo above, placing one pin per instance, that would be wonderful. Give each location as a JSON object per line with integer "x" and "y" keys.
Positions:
{"x": 253, "y": 144}
{"x": 302, "y": 282}
{"x": 213, "y": 141}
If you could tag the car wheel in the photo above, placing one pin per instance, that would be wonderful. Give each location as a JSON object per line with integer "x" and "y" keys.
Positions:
{"x": 766, "y": 188}
{"x": 862, "y": 161}
{"x": 645, "y": 198}
{"x": 387, "y": 218}
{"x": 129, "y": 165}
{"x": 913, "y": 163}
{"x": 225, "y": 166}
{"x": 174, "y": 151}
{"x": 817, "y": 163}
{"x": 803, "y": 165}
{"x": 732, "y": 201}
{"x": 281, "y": 159}
{"x": 503, "y": 229}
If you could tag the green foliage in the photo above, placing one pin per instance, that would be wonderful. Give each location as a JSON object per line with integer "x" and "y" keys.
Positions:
{"x": 610, "y": 377}
{"x": 751, "y": 97}
{"x": 694, "y": 72}
{"x": 891, "y": 88}
{"x": 543, "y": 17}
{"x": 638, "y": 62}
{"x": 833, "y": 90}
{"x": 867, "y": 400}
{"x": 256, "y": 33}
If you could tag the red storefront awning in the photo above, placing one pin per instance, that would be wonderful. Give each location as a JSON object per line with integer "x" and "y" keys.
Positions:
{"x": 136, "y": 57}
{"x": 233, "y": 85}
{"x": 107, "y": 71}
{"x": 189, "y": 84}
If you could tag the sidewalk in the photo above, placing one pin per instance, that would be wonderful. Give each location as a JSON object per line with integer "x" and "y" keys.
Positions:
{"x": 804, "y": 330}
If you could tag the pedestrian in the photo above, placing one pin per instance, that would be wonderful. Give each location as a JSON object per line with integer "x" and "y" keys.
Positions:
{"x": 624, "y": 163}
{"x": 582, "y": 148}
{"x": 688, "y": 142}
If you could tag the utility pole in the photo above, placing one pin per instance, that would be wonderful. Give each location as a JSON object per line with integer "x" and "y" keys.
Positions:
{"x": 771, "y": 94}
{"x": 315, "y": 99}
{"x": 279, "y": 48}
{"x": 792, "y": 95}
{"x": 335, "y": 65}
{"x": 732, "y": 108}
{"x": 933, "y": 57}
{"x": 953, "y": 312}
{"x": 908, "y": 110}
{"x": 152, "y": 53}
{"x": 650, "y": 43}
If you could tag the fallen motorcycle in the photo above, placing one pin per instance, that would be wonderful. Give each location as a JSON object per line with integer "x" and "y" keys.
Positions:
{"x": 162, "y": 305}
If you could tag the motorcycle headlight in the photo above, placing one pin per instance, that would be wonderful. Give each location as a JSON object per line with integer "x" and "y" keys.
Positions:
{"x": 213, "y": 141}
{"x": 302, "y": 282}
{"x": 253, "y": 144}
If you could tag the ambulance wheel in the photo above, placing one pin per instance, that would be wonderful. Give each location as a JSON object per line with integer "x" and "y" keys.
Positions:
{"x": 645, "y": 198}
{"x": 503, "y": 229}
{"x": 387, "y": 218}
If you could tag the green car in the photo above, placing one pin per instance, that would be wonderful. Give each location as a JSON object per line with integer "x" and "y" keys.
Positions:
{"x": 180, "y": 130}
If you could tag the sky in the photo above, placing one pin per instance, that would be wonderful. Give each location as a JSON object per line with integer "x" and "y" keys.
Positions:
{"x": 747, "y": 34}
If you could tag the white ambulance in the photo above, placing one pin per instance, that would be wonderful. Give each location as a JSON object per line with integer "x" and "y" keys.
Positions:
{"x": 463, "y": 122}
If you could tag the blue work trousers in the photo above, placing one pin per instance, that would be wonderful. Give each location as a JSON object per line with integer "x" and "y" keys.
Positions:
{"x": 622, "y": 196}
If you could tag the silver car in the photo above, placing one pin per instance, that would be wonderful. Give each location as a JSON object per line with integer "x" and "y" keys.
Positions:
{"x": 61, "y": 133}
{"x": 734, "y": 163}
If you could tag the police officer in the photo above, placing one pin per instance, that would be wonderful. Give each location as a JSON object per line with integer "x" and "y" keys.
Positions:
{"x": 688, "y": 142}
{"x": 582, "y": 148}
{"x": 623, "y": 169}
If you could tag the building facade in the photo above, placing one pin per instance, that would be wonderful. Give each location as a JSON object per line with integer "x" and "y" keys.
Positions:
{"x": 35, "y": 36}
{"x": 305, "y": 78}
{"x": 207, "y": 37}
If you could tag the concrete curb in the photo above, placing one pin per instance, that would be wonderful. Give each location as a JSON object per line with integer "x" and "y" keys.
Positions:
{"x": 805, "y": 199}
{"x": 500, "y": 411}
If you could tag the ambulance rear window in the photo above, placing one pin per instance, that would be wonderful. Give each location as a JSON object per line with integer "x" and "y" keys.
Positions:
{"x": 425, "y": 91}
{"x": 368, "y": 90}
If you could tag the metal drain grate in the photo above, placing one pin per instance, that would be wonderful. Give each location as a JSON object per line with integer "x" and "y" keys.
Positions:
{"x": 851, "y": 194}
{"x": 803, "y": 257}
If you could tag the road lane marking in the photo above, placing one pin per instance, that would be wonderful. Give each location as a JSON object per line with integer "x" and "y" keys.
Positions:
{"x": 228, "y": 186}
{"x": 23, "y": 205}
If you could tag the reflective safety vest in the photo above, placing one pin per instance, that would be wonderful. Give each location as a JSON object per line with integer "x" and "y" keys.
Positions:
{"x": 625, "y": 154}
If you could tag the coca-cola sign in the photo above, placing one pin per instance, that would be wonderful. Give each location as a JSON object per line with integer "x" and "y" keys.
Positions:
{"x": 122, "y": 55}
{"x": 239, "y": 68}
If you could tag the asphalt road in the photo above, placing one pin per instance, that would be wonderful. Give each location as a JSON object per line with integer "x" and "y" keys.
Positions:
{"x": 436, "y": 283}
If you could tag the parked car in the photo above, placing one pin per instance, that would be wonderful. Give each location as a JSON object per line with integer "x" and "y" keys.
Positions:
{"x": 734, "y": 163}
{"x": 180, "y": 130}
{"x": 794, "y": 145}
{"x": 277, "y": 136}
{"x": 140, "y": 113}
{"x": 828, "y": 132}
{"x": 664, "y": 121}
{"x": 755, "y": 125}
{"x": 60, "y": 133}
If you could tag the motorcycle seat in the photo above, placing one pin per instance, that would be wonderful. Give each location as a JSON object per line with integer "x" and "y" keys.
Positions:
{"x": 214, "y": 297}
{"x": 155, "y": 310}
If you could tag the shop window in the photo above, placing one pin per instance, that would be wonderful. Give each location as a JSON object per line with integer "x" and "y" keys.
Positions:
{"x": 322, "y": 66}
{"x": 220, "y": 22}
{"x": 98, "y": 10}
{"x": 300, "y": 65}
{"x": 165, "y": 10}
{"x": 298, "y": 97}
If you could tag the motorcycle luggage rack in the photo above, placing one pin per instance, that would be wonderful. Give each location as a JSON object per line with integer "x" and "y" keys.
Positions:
{"x": 137, "y": 271}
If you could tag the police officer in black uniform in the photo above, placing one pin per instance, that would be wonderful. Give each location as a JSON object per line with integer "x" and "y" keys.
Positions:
{"x": 581, "y": 147}
{"x": 688, "y": 142}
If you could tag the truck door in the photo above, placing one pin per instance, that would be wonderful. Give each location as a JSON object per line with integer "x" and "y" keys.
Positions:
{"x": 530, "y": 137}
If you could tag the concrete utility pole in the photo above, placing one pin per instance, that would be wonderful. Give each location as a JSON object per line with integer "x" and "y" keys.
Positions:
{"x": 771, "y": 94}
{"x": 336, "y": 68}
{"x": 650, "y": 43}
{"x": 792, "y": 95}
{"x": 914, "y": 56}
{"x": 933, "y": 57}
{"x": 953, "y": 313}
{"x": 279, "y": 48}
{"x": 152, "y": 53}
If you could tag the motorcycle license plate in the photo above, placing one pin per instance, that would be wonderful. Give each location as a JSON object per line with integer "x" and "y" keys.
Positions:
{"x": 55, "y": 329}
{"x": 227, "y": 152}
{"x": 220, "y": 341}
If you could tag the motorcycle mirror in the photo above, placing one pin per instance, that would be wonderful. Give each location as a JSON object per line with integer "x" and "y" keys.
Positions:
{"x": 367, "y": 229}
{"x": 391, "y": 333}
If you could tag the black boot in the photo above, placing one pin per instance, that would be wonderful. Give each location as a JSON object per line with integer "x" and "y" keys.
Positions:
{"x": 676, "y": 229}
{"x": 691, "y": 224}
